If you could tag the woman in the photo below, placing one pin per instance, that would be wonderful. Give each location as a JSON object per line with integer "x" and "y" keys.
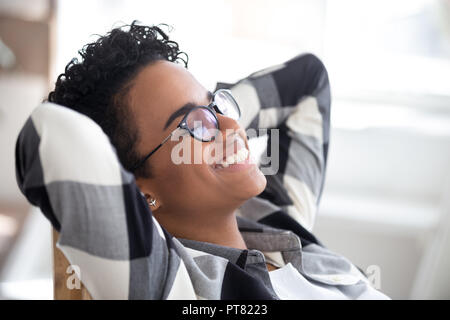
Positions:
{"x": 139, "y": 223}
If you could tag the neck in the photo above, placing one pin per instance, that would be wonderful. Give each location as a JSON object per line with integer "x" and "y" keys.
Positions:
{"x": 218, "y": 229}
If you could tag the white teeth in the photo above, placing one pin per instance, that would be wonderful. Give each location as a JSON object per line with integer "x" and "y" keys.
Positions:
{"x": 238, "y": 157}
{"x": 241, "y": 155}
{"x": 230, "y": 159}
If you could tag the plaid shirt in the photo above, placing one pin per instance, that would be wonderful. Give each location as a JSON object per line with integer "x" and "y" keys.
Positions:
{"x": 66, "y": 165}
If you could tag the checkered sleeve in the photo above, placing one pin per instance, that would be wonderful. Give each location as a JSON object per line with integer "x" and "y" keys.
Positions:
{"x": 293, "y": 98}
{"x": 66, "y": 165}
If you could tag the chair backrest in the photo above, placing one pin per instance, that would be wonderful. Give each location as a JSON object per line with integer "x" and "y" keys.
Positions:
{"x": 61, "y": 276}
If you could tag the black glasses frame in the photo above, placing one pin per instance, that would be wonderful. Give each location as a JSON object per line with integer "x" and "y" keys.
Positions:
{"x": 212, "y": 108}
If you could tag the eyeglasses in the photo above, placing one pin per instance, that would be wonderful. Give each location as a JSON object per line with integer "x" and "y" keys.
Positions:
{"x": 201, "y": 122}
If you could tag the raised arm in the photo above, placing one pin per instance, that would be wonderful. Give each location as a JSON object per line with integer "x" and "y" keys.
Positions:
{"x": 66, "y": 165}
{"x": 294, "y": 98}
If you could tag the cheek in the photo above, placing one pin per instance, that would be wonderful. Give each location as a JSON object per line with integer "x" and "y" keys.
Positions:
{"x": 180, "y": 181}
{"x": 183, "y": 179}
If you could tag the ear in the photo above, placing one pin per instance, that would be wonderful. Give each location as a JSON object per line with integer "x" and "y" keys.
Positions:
{"x": 153, "y": 201}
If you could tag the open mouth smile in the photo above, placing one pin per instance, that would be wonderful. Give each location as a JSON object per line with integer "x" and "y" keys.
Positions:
{"x": 237, "y": 155}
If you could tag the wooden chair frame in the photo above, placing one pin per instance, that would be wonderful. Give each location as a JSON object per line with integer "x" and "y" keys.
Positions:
{"x": 60, "y": 277}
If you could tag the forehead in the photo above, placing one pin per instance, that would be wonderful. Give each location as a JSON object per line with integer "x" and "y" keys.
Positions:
{"x": 161, "y": 88}
{"x": 158, "y": 90}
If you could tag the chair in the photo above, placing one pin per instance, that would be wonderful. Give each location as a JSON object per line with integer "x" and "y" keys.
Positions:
{"x": 60, "y": 277}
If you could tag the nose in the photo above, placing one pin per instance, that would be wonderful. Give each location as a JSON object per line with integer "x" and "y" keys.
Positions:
{"x": 227, "y": 123}
{"x": 228, "y": 126}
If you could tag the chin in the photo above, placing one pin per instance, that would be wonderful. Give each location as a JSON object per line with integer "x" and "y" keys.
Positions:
{"x": 252, "y": 186}
{"x": 241, "y": 181}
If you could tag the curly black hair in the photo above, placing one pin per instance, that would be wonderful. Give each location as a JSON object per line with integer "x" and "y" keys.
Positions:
{"x": 98, "y": 85}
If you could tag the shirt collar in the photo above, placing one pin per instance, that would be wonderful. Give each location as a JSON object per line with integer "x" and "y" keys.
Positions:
{"x": 258, "y": 237}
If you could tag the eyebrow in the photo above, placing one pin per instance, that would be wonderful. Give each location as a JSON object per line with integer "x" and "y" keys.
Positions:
{"x": 184, "y": 109}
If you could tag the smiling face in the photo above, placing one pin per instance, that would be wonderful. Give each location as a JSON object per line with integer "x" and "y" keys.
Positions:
{"x": 188, "y": 190}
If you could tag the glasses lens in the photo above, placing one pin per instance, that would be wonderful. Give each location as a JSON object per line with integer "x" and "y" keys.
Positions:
{"x": 202, "y": 123}
{"x": 227, "y": 105}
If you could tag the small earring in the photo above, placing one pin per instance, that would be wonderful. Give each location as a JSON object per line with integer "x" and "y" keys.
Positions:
{"x": 152, "y": 202}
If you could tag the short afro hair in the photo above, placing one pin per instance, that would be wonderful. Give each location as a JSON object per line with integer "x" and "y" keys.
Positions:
{"x": 98, "y": 85}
